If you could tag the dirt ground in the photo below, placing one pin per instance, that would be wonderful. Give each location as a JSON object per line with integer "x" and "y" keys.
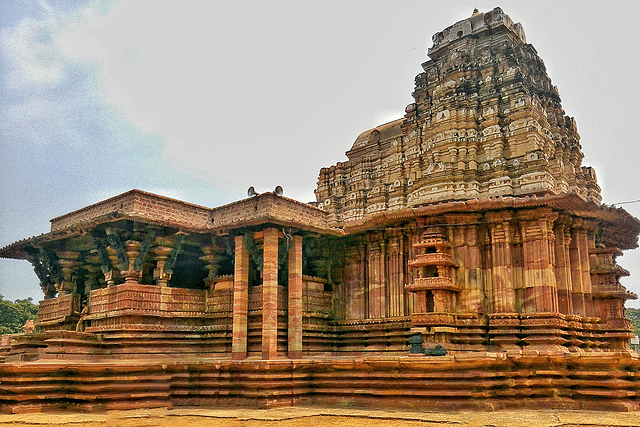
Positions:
{"x": 295, "y": 417}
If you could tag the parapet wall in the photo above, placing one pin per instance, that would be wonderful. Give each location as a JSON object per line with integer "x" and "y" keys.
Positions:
{"x": 139, "y": 204}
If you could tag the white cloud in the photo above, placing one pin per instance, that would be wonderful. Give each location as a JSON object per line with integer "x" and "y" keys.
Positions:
{"x": 32, "y": 54}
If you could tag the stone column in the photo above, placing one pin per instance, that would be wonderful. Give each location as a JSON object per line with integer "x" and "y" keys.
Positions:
{"x": 587, "y": 242}
{"x": 464, "y": 239}
{"x": 395, "y": 274}
{"x": 211, "y": 259}
{"x": 563, "y": 266}
{"x": 240, "y": 299}
{"x": 376, "y": 299}
{"x": 68, "y": 265}
{"x": 160, "y": 275}
{"x": 295, "y": 299}
{"x": 363, "y": 249}
{"x": 541, "y": 293}
{"x": 576, "y": 247}
{"x": 270, "y": 295}
{"x": 504, "y": 292}
{"x": 131, "y": 275}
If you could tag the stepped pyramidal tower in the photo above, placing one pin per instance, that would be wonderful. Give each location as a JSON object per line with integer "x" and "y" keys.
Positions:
{"x": 467, "y": 230}
{"x": 486, "y": 122}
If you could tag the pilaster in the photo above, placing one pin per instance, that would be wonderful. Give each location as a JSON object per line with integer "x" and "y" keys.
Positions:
{"x": 504, "y": 288}
{"x": 540, "y": 293}
{"x": 562, "y": 233}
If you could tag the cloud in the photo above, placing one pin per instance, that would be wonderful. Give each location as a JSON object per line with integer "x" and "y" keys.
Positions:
{"x": 34, "y": 60}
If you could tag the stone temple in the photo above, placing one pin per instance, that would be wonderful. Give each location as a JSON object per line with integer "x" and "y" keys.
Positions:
{"x": 460, "y": 258}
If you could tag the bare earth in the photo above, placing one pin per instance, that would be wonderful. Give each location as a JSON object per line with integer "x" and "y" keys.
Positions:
{"x": 294, "y": 417}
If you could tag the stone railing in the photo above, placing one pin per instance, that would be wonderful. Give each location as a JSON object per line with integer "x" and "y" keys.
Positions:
{"x": 145, "y": 299}
{"x": 58, "y": 309}
{"x": 433, "y": 283}
{"x": 437, "y": 258}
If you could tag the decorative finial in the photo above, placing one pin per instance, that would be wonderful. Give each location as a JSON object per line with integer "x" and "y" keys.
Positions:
{"x": 475, "y": 12}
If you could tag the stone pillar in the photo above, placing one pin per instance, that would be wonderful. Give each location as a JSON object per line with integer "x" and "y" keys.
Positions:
{"x": 504, "y": 292}
{"x": 563, "y": 266}
{"x": 160, "y": 275}
{"x": 355, "y": 307}
{"x": 240, "y": 299}
{"x": 270, "y": 295}
{"x": 577, "y": 246}
{"x": 587, "y": 242}
{"x": 363, "y": 249}
{"x": 295, "y": 299}
{"x": 131, "y": 275}
{"x": 68, "y": 265}
{"x": 376, "y": 299}
{"x": 211, "y": 259}
{"x": 464, "y": 239}
{"x": 540, "y": 293}
{"x": 396, "y": 274}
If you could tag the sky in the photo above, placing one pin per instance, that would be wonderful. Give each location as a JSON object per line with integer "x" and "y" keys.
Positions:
{"x": 198, "y": 100}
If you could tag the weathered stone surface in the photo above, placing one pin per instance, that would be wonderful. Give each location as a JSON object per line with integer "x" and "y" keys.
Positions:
{"x": 468, "y": 229}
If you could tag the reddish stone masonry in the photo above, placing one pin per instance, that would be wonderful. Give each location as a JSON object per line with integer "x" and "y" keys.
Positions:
{"x": 468, "y": 230}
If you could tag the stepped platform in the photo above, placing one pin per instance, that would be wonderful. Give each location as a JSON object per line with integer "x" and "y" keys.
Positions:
{"x": 472, "y": 381}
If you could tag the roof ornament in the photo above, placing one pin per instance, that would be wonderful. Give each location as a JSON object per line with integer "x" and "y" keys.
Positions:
{"x": 475, "y": 12}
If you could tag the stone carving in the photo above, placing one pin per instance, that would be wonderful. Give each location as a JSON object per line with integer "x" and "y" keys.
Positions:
{"x": 496, "y": 256}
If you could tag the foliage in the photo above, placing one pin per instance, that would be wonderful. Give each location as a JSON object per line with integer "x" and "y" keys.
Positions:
{"x": 633, "y": 314}
{"x": 13, "y": 315}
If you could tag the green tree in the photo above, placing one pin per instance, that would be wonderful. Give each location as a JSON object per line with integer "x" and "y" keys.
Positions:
{"x": 13, "y": 315}
{"x": 633, "y": 314}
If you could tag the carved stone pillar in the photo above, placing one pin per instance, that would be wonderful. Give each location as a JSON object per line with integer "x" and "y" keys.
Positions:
{"x": 504, "y": 288}
{"x": 376, "y": 292}
{"x": 395, "y": 300}
{"x": 464, "y": 238}
{"x": 68, "y": 265}
{"x": 270, "y": 295}
{"x": 579, "y": 254}
{"x": 540, "y": 293}
{"x": 131, "y": 275}
{"x": 112, "y": 275}
{"x": 211, "y": 258}
{"x": 160, "y": 275}
{"x": 563, "y": 265}
{"x": 295, "y": 299}
{"x": 240, "y": 299}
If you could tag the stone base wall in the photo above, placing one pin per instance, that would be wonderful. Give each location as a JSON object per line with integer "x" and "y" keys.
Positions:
{"x": 480, "y": 381}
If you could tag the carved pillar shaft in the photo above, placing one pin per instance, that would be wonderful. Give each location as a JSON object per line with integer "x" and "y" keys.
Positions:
{"x": 586, "y": 242}
{"x": 504, "y": 293}
{"x": 577, "y": 250}
{"x": 540, "y": 291}
{"x": 68, "y": 265}
{"x": 240, "y": 299}
{"x": 563, "y": 269}
{"x": 131, "y": 275}
{"x": 376, "y": 284}
{"x": 396, "y": 280}
{"x": 295, "y": 299}
{"x": 159, "y": 273}
{"x": 270, "y": 295}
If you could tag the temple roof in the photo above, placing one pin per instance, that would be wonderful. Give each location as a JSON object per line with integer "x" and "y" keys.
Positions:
{"x": 377, "y": 134}
{"x": 475, "y": 24}
{"x": 153, "y": 209}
